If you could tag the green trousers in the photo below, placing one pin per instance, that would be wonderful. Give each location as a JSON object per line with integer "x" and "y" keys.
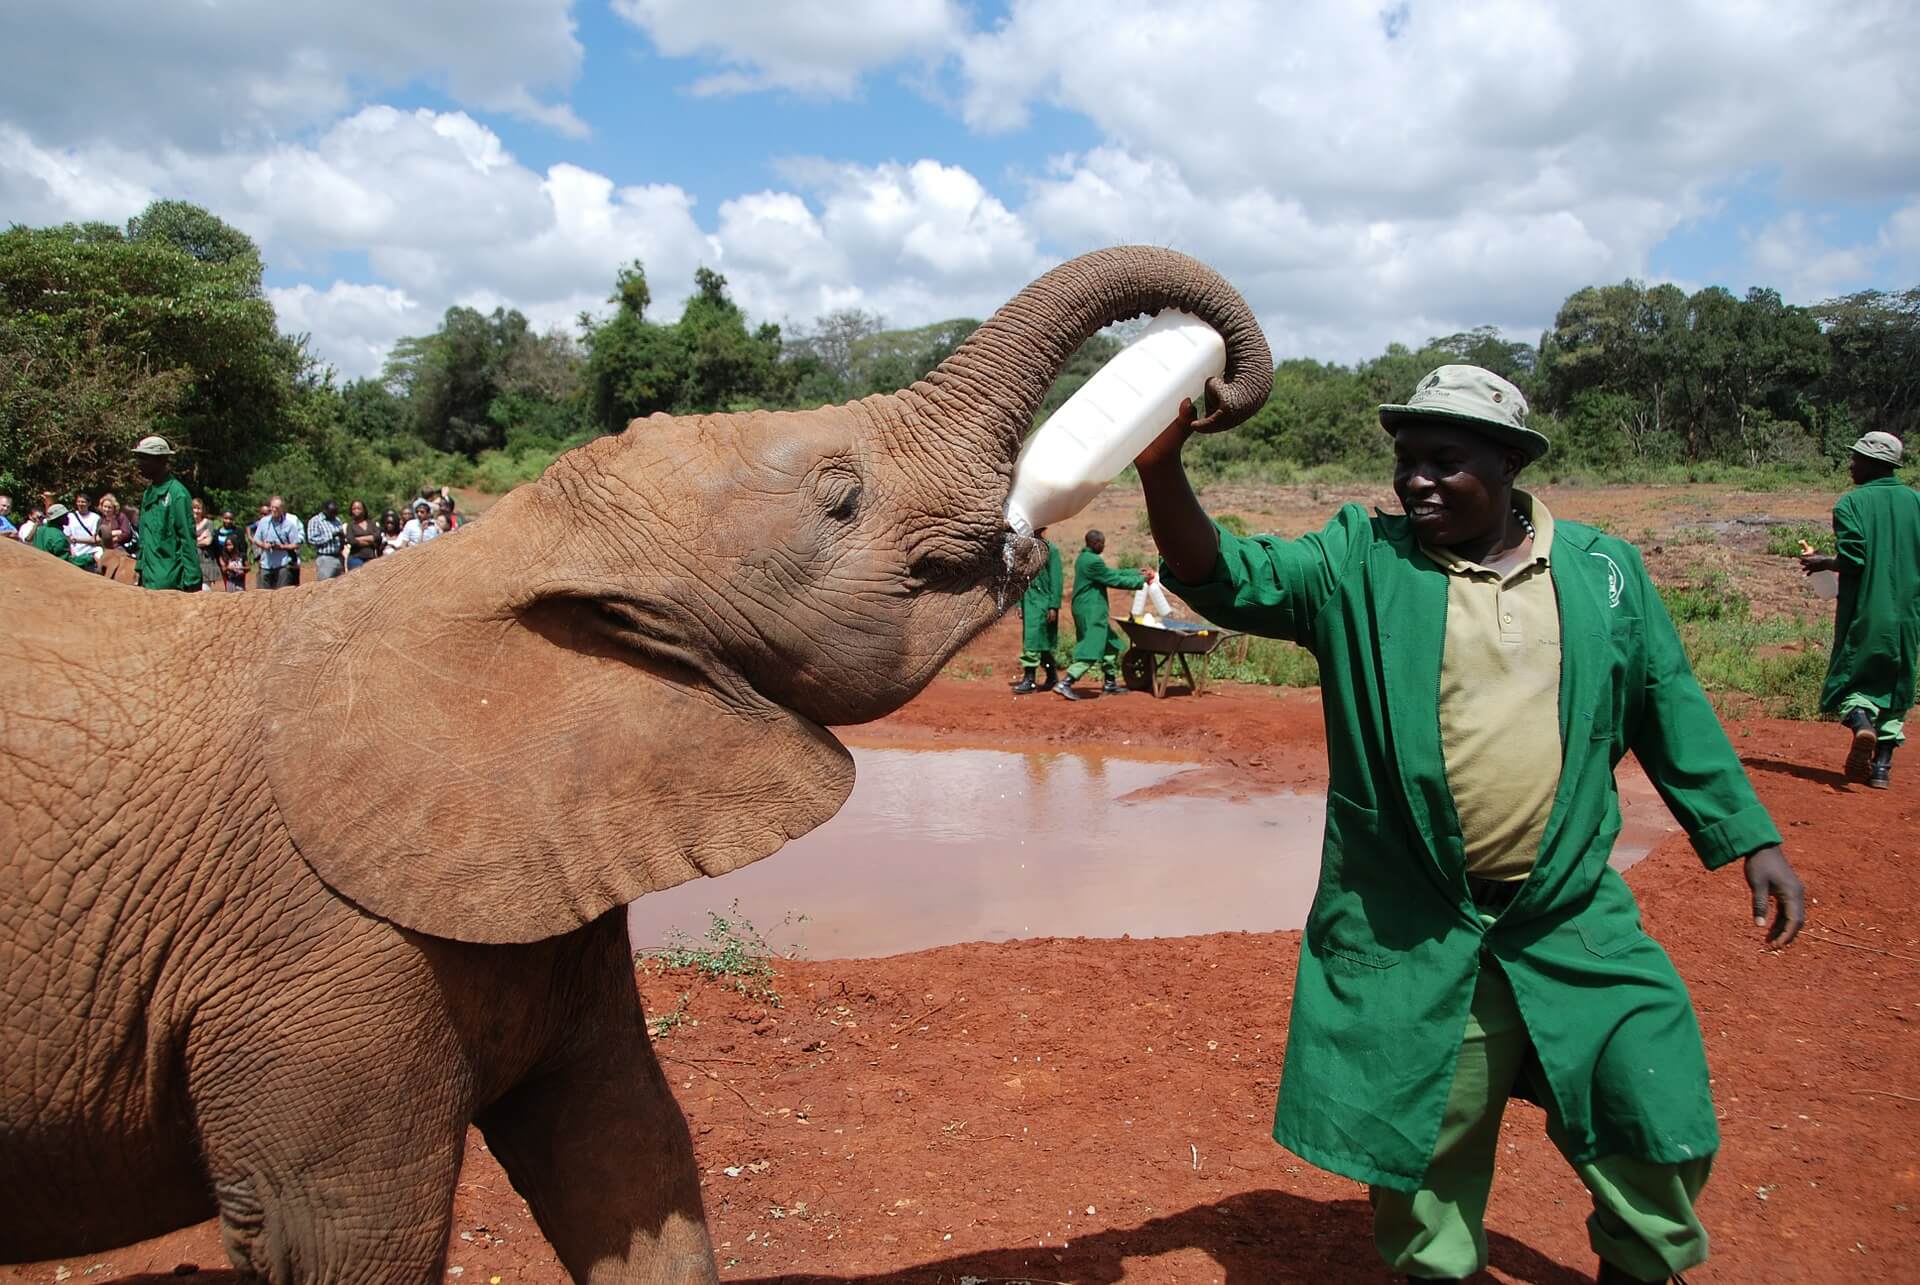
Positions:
{"x": 1642, "y": 1221}
{"x": 1107, "y": 662}
{"x": 1034, "y": 657}
{"x": 1886, "y": 727}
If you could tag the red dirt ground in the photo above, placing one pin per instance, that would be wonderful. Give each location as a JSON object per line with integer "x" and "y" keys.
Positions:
{"x": 1098, "y": 1110}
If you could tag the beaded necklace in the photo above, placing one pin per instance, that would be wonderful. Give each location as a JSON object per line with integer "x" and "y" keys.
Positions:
{"x": 1524, "y": 521}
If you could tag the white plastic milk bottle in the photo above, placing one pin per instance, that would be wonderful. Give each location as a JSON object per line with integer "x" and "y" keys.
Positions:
{"x": 1087, "y": 442}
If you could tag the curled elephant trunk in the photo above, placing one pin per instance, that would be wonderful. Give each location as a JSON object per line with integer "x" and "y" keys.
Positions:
{"x": 1004, "y": 368}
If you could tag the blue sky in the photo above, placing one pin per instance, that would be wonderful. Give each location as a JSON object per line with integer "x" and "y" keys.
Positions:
{"x": 1362, "y": 176}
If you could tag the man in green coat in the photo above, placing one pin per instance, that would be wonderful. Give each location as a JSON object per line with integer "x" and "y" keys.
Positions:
{"x": 1040, "y": 622}
{"x": 1483, "y": 668}
{"x": 169, "y": 556}
{"x": 47, "y": 535}
{"x": 1095, "y": 645}
{"x": 1876, "y": 622}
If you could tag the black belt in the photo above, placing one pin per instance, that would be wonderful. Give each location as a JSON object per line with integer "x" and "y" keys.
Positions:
{"x": 1493, "y": 895}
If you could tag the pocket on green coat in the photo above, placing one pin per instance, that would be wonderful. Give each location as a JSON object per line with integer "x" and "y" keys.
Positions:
{"x": 1353, "y": 891}
{"x": 1608, "y": 935}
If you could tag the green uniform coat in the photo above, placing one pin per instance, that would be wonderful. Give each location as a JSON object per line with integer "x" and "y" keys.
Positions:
{"x": 1037, "y": 633}
{"x": 169, "y": 558}
{"x": 1092, "y": 577}
{"x": 1393, "y": 944}
{"x": 49, "y": 539}
{"x": 1876, "y": 622}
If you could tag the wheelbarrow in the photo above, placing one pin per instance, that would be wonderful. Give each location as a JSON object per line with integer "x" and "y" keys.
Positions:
{"x": 1170, "y": 643}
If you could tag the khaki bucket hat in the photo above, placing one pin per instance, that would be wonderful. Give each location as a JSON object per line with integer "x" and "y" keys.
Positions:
{"x": 55, "y": 512}
{"x": 1474, "y": 398}
{"x": 1884, "y": 447}
{"x": 153, "y": 446}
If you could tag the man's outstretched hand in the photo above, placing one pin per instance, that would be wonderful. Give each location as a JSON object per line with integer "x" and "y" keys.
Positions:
{"x": 1165, "y": 449}
{"x": 1772, "y": 879}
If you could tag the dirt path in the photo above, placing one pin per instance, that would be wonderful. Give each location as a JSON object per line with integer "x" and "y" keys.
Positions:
{"x": 1098, "y": 1110}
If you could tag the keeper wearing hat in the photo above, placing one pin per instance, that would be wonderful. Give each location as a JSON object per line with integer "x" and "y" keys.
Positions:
{"x": 1483, "y": 668}
{"x": 1876, "y": 621}
{"x": 47, "y": 535}
{"x": 169, "y": 555}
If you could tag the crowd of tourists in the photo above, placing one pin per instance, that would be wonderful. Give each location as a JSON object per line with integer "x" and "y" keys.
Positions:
{"x": 169, "y": 536}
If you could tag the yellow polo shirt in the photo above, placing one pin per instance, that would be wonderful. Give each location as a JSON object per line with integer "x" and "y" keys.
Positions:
{"x": 1500, "y": 702}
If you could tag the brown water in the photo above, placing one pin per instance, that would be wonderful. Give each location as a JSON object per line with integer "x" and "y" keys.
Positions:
{"x": 942, "y": 846}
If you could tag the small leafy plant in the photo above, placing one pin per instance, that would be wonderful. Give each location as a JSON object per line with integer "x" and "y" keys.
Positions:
{"x": 732, "y": 952}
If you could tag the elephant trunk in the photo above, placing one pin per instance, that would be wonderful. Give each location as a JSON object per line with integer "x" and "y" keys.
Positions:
{"x": 1006, "y": 366}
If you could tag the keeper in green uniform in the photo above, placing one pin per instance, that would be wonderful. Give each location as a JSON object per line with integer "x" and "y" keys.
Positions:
{"x": 1876, "y": 622}
{"x": 47, "y": 535}
{"x": 1483, "y": 668}
{"x": 1095, "y": 644}
{"x": 1040, "y": 622}
{"x": 169, "y": 555}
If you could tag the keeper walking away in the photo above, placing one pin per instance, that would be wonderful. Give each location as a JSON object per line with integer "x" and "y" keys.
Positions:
{"x": 1876, "y": 621}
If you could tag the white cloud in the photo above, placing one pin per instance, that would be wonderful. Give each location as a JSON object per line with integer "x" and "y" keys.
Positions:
{"x": 40, "y": 185}
{"x": 199, "y": 75}
{"x": 915, "y": 243}
{"x": 1473, "y": 106}
{"x": 444, "y": 215}
{"x": 1362, "y": 177}
{"x": 1803, "y": 258}
{"x": 351, "y": 326}
{"x": 1900, "y": 242}
{"x": 1792, "y": 255}
{"x": 813, "y": 49}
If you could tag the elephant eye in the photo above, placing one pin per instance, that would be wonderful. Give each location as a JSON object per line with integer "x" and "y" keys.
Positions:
{"x": 841, "y": 497}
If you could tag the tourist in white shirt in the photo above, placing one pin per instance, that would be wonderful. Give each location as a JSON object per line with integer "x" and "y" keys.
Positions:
{"x": 82, "y": 529}
{"x": 421, "y": 527}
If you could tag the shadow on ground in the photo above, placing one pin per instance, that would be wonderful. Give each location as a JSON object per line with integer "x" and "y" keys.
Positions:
{"x": 1799, "y": 771}
{"x": 1257, "y": 1238}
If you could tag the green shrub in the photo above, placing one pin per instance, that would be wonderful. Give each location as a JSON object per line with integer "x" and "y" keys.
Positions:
{"x": 1784, "y": 541}
{"x": 1709, "y": 600}
{"x": 1269, "y": 662}
{"x": 1780, "y": 662}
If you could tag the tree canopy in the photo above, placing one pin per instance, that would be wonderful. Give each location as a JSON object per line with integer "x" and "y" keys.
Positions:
{"x": 161, "y": 325}
{"x": 108, "y": 335}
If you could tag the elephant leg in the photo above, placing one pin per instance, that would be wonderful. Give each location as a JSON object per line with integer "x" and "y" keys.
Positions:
{"x": 334, "y": 1169}
{"x": 600, "y": 1151}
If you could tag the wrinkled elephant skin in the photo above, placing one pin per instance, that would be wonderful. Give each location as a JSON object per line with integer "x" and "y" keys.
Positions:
{"x": 296, "y": 886}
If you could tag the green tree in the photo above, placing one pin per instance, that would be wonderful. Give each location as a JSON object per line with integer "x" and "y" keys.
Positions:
{"x": 190, "y": 343}
{"x": 706, "y": 361}
{"x": 1873, "y": 379}
{"x": 1625, "y": 339}
{"x": 483, "y": 378}
{"x": 833, "y": 348}
{"x": 196, "y": 232}
{"x": 893, "y": 359}
{"x": 1485, "y": 347}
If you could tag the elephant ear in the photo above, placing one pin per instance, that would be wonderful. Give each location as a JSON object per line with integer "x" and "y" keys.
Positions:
{"x": 494, "y": 775}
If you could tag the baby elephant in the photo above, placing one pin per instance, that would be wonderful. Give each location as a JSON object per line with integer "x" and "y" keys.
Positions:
{"x": 251, "y": 970}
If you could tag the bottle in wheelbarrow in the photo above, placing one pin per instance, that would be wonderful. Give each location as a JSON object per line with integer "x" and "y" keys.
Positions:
{"x": 1087, "y": 442}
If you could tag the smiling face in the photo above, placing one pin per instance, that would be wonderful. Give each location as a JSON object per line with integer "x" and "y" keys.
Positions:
{"x": 1455, "y": 485}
